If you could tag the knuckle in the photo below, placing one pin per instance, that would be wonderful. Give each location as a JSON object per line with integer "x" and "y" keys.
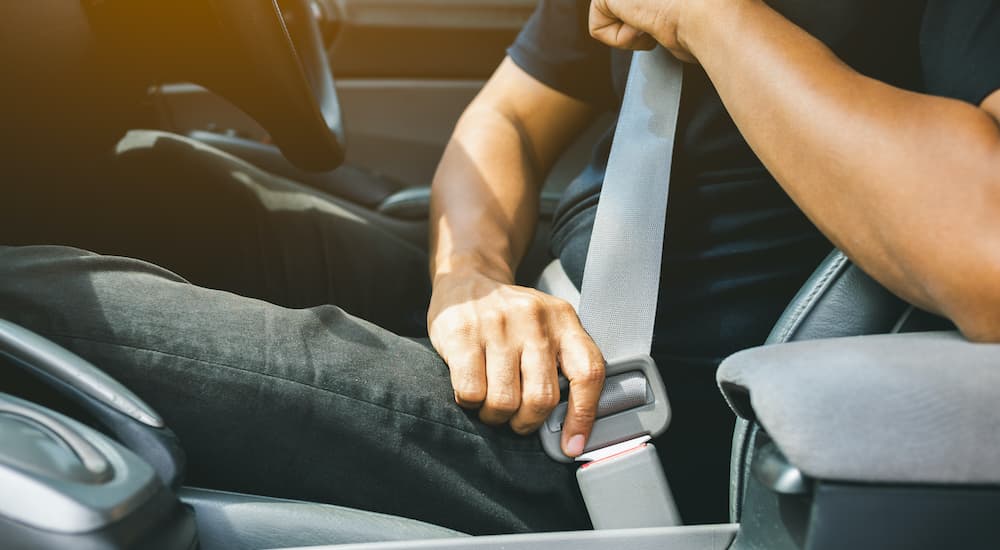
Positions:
{"x": 462, "y": 328}
{"x": 586, "y": 414}
{"x": 492, "y": 317}
{"x": 534, "y": 339}
{"x": 504, "y": 403}
{"x": 564, "y": 308}
{"x": 531, "y": 307}
{"x": 538, "y": 349}
{"x": 470, "y": 394}
{"x": 561, "y": 311}
{"x": 593, "y": 373}
{"x": 542, "y": 399}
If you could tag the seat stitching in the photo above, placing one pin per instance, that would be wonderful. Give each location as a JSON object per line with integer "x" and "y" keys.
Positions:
{"x": 326, "y": 390}
{"x": 808, "y": 303}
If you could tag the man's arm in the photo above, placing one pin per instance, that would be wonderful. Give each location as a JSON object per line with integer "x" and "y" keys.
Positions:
{"x": 502, "y": 342}
{"x": 908, "y": 185}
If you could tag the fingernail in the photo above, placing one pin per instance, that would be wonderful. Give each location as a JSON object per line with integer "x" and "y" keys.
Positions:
{"x": 574, "y": 447}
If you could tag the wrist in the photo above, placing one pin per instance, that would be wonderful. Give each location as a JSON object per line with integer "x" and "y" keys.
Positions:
{"x": 702, "y": 16}
{"x": 472, "y": 263}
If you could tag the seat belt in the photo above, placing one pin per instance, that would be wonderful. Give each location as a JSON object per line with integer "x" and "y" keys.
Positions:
{"x": 622, "y": 480}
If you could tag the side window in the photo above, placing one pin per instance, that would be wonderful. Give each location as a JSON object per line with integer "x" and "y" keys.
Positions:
{"x": 421, "y": 38}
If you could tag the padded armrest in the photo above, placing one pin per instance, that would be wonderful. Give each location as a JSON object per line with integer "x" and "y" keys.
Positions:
{"x": 897, "y": 408}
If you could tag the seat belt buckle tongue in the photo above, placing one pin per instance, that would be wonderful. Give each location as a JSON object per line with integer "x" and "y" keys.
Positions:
{"x": 633, "y": 404}
{"x": 628, "y": 489}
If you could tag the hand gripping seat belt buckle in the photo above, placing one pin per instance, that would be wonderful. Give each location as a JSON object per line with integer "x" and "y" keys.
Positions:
{"x": 633, "y": 403}
{"x": 622, "y": 480}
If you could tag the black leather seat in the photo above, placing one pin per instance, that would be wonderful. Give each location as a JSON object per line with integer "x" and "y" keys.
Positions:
{"x": 838, "y": 300}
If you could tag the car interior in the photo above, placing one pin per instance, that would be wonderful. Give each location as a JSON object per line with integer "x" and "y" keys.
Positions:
{"x": 862, "y": 422}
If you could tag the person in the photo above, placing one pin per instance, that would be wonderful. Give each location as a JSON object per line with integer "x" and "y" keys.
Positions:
{"x": 873, "y": 125}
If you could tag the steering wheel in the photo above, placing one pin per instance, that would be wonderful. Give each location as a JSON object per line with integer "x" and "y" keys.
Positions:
{"x": 265, "y": 56}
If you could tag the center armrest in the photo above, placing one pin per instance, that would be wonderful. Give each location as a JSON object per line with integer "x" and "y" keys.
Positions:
{"x": 899, "y": 408}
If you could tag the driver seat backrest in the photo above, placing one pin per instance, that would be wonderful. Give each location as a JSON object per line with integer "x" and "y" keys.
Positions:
{"x": 838, "y": 300}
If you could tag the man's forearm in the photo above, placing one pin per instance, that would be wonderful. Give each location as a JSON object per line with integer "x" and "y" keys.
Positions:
{"x": 907, "y": 184}
{"x": 484, "y": 201}
{"x": 484, "y": 204}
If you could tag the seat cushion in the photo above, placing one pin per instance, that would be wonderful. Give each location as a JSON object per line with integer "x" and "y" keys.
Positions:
{"x": 243, "y": 522}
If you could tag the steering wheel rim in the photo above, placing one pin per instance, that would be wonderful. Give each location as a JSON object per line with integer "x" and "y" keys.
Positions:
{"x": 267, "y": 57}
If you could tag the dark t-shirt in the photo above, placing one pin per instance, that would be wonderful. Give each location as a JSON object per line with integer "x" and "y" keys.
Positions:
{"x": 736, "y": 247}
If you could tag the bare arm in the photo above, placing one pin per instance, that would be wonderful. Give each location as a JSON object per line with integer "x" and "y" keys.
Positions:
{"x": 503, "y": 343}
{"x": 908, "y": 185}
{"x": 484, "y": 203}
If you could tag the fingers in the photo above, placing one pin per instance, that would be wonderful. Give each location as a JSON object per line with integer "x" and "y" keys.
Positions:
{"x": 503, "y": 387}
{"x": 631, "y": 26}
{"x": 624, "y": 36}
{"x": 583, "y": 365}
{"x": 642, "y": 42}
{"x": 539, "y": 389}
{"x": 502, "y": 344}
{"x": 608, "y": 28}
{"x": 468, "y": 375}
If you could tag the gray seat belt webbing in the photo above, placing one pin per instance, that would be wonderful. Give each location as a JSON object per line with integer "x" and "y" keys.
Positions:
{"x": 622, "y": 482}
{"x": 621, "y": 282}
{"x": 621, "y": 279}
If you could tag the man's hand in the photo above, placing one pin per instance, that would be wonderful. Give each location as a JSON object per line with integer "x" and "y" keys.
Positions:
{"x": 641, "y": 24}
{"x": 503, "y": 343}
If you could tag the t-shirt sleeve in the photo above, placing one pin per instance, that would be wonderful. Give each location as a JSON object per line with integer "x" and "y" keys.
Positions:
{"x": 555, "y": 47}
{"x": 960, "y": 48}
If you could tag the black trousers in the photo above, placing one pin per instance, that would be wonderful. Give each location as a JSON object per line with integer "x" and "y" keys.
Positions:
{"x": 277, "y": 331}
